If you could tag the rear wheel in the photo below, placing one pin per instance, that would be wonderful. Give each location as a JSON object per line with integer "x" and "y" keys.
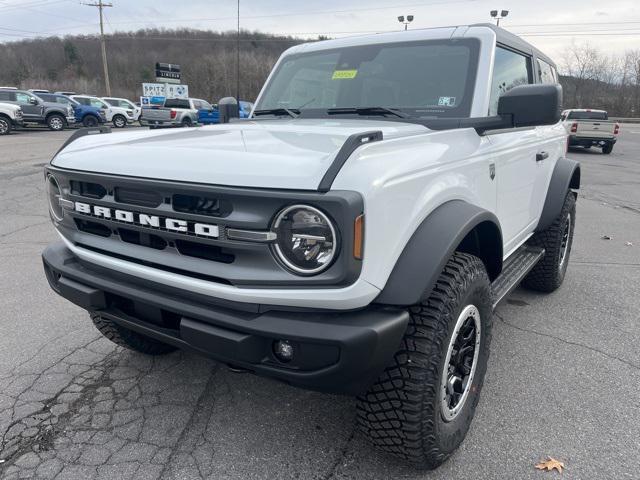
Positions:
{"x": 128, "y": 338}
{"x": 119, "y": 121}
{"x": 421, "y": 407}
{"x": 90, "y": 121}
{"x": 607, "y": 149}
{"x": 56, "y": 122}
{"x": 5, "y": 125}
{"x": 187, "y": 122}
{"x": 548, "y": 274}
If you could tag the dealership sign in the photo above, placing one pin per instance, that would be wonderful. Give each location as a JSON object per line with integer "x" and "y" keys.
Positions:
{"x": 168, "y": 72}
{"x": 165, "y": 90}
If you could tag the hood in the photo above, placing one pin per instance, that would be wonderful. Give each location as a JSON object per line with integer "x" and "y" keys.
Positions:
{"x": 9, "y": 106}
{"x": 286, "y": 154}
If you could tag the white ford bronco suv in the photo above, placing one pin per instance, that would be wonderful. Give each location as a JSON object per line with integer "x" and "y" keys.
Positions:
{"x": 354, "y": 235}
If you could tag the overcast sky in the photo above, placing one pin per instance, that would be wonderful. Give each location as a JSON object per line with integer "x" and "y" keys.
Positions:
{"x": 613, "y": 26}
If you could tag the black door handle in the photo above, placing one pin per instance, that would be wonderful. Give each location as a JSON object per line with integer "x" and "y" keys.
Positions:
{"x": 541, "y": 156}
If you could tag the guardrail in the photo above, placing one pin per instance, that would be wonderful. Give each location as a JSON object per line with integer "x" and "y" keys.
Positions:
{"x": 625, "y": 120}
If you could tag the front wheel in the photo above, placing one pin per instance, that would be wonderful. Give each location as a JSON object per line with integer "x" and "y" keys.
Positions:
{"x": 90, "y": 121}
{"x": 5, "y": 125}
{"x": 421, "y": 407}
{"x": 56, "y": 122}
{"x": 119, "y": 121}
{"x": 128, "y": 338}
{"x": 548, "y": 274}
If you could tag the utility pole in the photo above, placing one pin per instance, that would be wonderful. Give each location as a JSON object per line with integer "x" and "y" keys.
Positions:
{"x": 101, "y": 5}
{"x": 238, "y": 57}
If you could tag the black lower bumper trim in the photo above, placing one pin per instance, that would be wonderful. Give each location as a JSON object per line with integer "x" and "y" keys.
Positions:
{"x": 339, "y": 352}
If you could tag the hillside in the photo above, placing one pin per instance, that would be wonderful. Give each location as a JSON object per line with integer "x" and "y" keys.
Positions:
{"x": 208, "y": 61}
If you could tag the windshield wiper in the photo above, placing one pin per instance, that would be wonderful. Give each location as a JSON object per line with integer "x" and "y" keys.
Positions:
{"x": 368, "y": 111}
{"x": 295, "y": 113}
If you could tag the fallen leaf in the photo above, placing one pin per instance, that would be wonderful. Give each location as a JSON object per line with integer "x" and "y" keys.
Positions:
{"x": 550, "y": 464}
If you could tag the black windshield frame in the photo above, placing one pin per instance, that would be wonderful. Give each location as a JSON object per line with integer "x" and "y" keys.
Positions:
{"x": 463, "y": 110}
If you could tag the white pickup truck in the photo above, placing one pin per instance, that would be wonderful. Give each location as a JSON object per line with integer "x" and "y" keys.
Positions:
{"x": 354, "y": 235}
{"x": 10, "y": 117}
{"x": 590, "y": 128}
{"x": 177, "y": 112}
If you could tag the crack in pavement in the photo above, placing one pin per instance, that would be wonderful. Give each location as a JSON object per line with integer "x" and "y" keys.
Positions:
{"x": 568, "y": 342}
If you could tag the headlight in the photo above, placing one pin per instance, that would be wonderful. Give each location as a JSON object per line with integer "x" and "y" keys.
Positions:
{"x": 54, "y": 193}
{"x": 306, "y": 239}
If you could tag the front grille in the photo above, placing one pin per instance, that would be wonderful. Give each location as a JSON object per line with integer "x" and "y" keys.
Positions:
{"x": 181, "y": 227}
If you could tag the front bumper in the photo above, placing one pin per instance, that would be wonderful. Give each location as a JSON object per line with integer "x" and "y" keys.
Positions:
{"x": 71, "y": 120}
{"x": 18, "y": 122}
{"x": 340, "y": 352}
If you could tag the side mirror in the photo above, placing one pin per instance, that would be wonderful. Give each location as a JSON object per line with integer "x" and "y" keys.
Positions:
{"x": 532, "y": 105}
{"x": 228, "y": 107}
{"x": 33, "y": 101}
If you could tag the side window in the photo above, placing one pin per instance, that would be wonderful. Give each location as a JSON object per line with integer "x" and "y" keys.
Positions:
{"x": 23, "y": 98}
{"x": 6, "y": 96}
{"x": 197, "y": 104}
{"x": 510, "y": 70}
{"x": 97, "y": 103}
{"x": 83, "y": 100}
{"x": 546, "y": 73}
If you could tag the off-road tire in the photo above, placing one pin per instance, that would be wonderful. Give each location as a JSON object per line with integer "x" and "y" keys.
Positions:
{"x": 129, "y": 339}
{"x": 401, "y": 413}
{"x": 5, "y": 125}
{"x": 548, "y": 274}
{"x": 90, "y": 121}
{"x": 56, "y": 122}
{"x": 119, "y": 121}
{"x": 607, "y": 149}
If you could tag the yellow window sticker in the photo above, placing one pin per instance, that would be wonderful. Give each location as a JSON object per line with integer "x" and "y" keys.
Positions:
{"x": 344, "y": 74}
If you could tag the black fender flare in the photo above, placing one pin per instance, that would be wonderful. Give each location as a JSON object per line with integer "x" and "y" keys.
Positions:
{"x": 565, "y": 176}
{"x": 432, "y": 245}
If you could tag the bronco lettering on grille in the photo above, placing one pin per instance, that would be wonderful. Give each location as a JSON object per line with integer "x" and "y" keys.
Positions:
{"x": 150, "y": 221}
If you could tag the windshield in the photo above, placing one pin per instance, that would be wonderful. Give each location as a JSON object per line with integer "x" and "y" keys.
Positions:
{"x": 588, "y": 116}
{"x": 422, "y": 79}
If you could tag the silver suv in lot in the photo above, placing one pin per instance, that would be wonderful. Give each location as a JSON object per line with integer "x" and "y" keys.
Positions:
{"x": 36, "y": 111}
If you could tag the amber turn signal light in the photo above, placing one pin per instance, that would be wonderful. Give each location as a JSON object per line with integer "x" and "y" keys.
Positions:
{"x": 358, "y": 237}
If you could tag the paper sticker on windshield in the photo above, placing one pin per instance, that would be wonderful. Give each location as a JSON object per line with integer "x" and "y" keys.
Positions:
{"x": 447, "y": 102}
{"x": 344, "y": 74}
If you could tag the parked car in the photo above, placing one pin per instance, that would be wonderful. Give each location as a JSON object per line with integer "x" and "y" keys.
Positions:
{"x": 353, "y": 236}
{"x": 211, "y": 116}
{"x": 126, "y": 104}
{"x": 118, "y": 116}
{"x": 10, "y": 118}
{"x": 590, "y": 128}
{"x": 37, "y": 111}
{"x": 38, "y": 91}
{"x": 86, "y": 115}
{"x": 176, "y": 112}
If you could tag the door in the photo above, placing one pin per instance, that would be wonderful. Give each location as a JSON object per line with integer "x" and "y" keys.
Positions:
{"x": 32, "y": 111}
{"x": 515, "y": 153}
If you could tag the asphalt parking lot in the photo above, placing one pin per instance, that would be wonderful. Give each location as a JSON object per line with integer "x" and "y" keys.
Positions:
{"x": 563, "y": 378}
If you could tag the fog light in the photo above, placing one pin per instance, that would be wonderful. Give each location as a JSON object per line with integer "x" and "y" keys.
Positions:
{"x": 283, "y": 350}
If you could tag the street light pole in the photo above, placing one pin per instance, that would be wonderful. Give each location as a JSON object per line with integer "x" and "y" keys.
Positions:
{"x": 105, "y": 66}
{"x": 238, "y": 56}
{"x": 406, "y": 23}
{"x": 502, "y": 14}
